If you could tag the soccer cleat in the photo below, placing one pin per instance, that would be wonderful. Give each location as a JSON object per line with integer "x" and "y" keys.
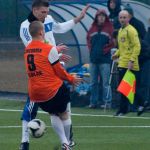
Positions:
{"x": 72, "y": 143}
{"x": 65, "y": 147}
{"x": 24, "y": 146}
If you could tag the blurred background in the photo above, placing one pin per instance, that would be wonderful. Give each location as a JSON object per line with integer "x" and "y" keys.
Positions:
{"x": 12, "y": 12}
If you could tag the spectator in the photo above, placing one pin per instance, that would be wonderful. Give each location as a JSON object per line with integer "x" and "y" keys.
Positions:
{"x": 114, "y": 7}
{"x": 136, "y": 23}
{"x": 144, "y": 81}
{"x": 99, "y": 41}
{"x": 128, "y": 52}
{"x": 147, "y": 36}
{"x": 145, "y": 60}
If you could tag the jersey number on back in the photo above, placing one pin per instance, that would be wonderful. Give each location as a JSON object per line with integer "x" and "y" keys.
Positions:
{"x": 30, "y": 61}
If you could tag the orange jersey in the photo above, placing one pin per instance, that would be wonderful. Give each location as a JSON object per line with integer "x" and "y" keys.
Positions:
{"x": 45, "y": 73}
{"x": 43, "y": 83}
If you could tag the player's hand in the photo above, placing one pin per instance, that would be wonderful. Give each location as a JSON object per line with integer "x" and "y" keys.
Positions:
{"x": 130, "y": 65}
{"x": 82, "y": 14}
{"x": 77, "y": 80}
{"x": 84, "y": 10}
{"x": 114, "y": 57}
{"x": 61, "y": 47}
{"x": 65, "y": 58}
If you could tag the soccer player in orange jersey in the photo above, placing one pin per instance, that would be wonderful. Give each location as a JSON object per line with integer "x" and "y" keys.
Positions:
{"x": 40, "y": 12}
{"x": 45, "y": 81}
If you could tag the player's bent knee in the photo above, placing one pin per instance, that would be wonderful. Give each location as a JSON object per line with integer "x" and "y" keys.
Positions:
{"x": 64, "y": 115}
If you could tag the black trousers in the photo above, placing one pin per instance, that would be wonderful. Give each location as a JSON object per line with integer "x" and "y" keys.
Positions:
{"x": 124, "y": 103}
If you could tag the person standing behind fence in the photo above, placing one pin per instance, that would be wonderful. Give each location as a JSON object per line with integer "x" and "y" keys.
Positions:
{"x": 128, "y": 53}
{"x": 46, "y": 78}
{"x": 99, "y": 41}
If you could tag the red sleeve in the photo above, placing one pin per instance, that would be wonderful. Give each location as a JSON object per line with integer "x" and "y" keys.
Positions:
{"x": 62, "y": 73}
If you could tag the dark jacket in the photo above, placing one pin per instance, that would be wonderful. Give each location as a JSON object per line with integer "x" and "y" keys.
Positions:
{"x": 139, "y": 26}
{"x": 147, "y": 36}
{"x": 99, "y": 40}
{"x": 114, "y": 12}
{"x": 145, "y": 52}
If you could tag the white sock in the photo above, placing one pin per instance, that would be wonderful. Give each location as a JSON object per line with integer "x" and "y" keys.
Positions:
{"x": 69, "y": 108}
{"x": 57, "y": 125}
{"x": 25, "y": 132}
{"x": 67, "y": 125}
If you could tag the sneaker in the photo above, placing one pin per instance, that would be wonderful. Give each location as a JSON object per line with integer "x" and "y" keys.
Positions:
{"x": 140, "y": 110}
{"x": 24, "y": 146}
{"x": 91, "y": 106}
{"x": 119, "y": 114}
{"x": 65, "y": 147}
{"x": 106, "y": 106}
{"x": 72, "y": 143}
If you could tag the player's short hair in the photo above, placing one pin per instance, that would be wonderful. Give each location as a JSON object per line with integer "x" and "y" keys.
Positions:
{"x": 40, "y": 3}
{"x": 35, "y": 27}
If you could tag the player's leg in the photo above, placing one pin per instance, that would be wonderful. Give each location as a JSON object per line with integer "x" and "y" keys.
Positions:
{"x": 65, "y": 117}
{"x": 29, "y": 113}
{"x": 60, "y": 120}
{"x": 61, "y": 124}
{"x": 58, "y": 127}
{"x": 106, "y": 88}
{"x": 71, "y": 141}
{"x": 94, "y": 86}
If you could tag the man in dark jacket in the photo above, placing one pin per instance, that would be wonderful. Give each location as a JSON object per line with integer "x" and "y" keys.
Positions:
{"x": 145, "y": 61}
{"x": 136, "y": 23}
{"x": 99, "y": 41}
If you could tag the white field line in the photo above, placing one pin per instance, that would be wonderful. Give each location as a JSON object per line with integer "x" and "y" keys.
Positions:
{"x": 83, "y": 115}
{"x": 6, "y": 127}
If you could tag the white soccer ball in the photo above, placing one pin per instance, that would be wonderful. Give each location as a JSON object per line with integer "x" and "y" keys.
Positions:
{"x": 36, "y": 128}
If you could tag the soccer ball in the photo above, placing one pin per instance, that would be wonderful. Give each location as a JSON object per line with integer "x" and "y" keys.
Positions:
{"x": 36, "y": 128}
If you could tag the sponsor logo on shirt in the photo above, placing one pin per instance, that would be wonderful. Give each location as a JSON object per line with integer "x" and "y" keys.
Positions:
{"x": 123, "y": 39}
{"x": 48, "y": 27}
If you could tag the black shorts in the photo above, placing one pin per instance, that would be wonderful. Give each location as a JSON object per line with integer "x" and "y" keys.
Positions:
{"x": 58, "y": 103}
